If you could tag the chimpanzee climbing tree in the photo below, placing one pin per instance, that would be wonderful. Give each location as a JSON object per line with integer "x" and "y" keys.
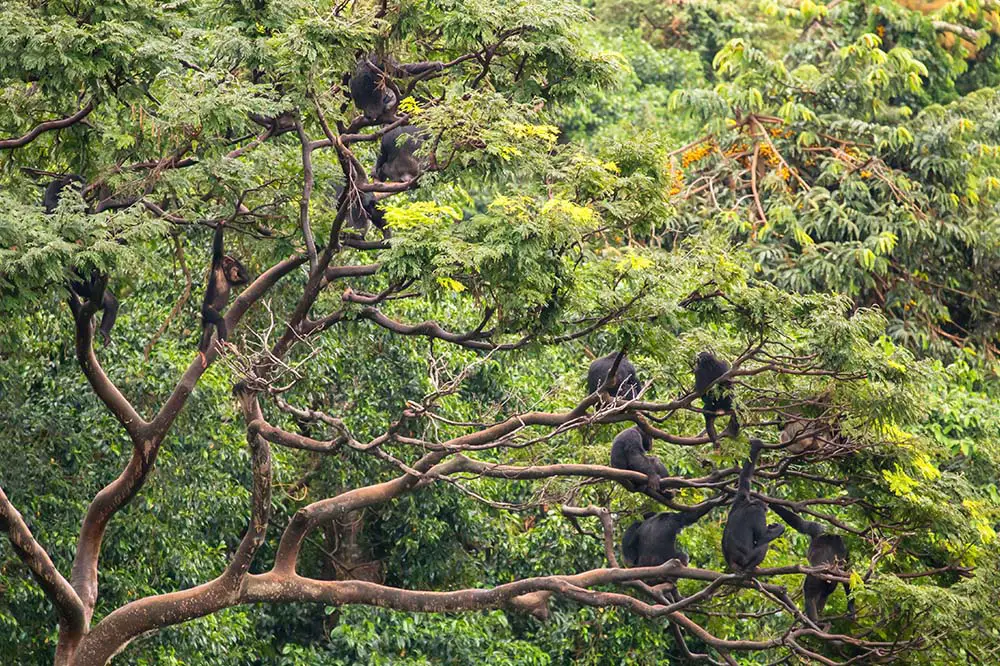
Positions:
{"x": 427, "y": 339}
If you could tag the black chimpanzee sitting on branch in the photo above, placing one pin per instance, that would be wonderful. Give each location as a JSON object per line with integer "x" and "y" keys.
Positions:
{"x": 653, "y": 540}
{"x": 823, "y": 549}
{"x": 397, "y": 160}
{"x": 624, "y": 382}
{"x": 746, "y": 536}
{"x": 629, "y": 451}
{"x": 716, "y": 396}
{"x": 373, "y": 89}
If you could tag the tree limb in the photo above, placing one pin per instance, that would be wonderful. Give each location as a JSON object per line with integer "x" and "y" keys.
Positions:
{"x": 47, "y": 126}
{"x": 56, "y": 587}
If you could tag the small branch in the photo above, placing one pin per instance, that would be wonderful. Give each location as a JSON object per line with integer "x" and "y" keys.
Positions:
{"x": 753, "y": 185}
{"x": 433, "y": 330}
{"x": 259, "y": 139}
{"x": 307, "y": 188}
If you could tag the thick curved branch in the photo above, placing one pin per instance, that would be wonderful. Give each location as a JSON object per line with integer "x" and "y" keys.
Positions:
{"x": 157, "y": 612}
{"x": 117, "y": 629}
{"x": 336, "y": 272}
{"x": 274, "y": 587}
{"x": 309, "y": 517}
{"x": 105, "y": 389}
{"x": 47, "y": 126}
{"x": 146, "y": 439}
{"x": 105, "y": 504}
{"x": 120, "y": 491}
{"x": 56, "y": 587}
{"x": 260, "y": 504}
{"x": 165, "y": 610}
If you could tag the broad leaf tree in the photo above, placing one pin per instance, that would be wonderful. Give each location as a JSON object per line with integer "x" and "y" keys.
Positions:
{"x": 397, "y": 432}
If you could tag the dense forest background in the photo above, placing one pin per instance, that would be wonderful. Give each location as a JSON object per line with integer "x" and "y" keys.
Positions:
{"x": 809, "y": 191}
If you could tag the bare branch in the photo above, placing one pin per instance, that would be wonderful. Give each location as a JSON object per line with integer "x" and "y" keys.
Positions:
{"x": 308, "y": 518}
{"x": 292, "y": 440}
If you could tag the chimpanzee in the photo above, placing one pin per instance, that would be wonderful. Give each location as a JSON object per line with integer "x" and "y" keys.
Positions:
{"x": 103, "y": 199}
{"x": 803, "y": 435}
{"x": 653, "y": 540}
{"x": 396, "y": 160}
{"x": 279, "y": 124}
{"x": 823, "y": 549}
{"x": 367, "y": 212}
{"x": 94, "y": 286}
{"x": 628, "y": 451}
{"x": 226, "y": 273}
{"x": 373, "y": 91}
{"x": 54, "y": 190}
{"x": 717, "y": 397}
{"x": 812, "y": 426}
{"x": 746, "y": 536}
{"x": 625, "y": 383}
{"x": 360, "y": 213}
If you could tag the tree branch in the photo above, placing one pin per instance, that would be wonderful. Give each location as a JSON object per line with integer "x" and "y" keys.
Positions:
{"x": 146, "y": 437}
{"x": 53, "y": 584}
{"x": 307, "y": 188}
{"x": 292, "y": 440}
{"x": 963, "y": 31}
{"x": 47, "y": 126}
{"x": 105, "y": 389}
{"x": 309, "y": 517}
